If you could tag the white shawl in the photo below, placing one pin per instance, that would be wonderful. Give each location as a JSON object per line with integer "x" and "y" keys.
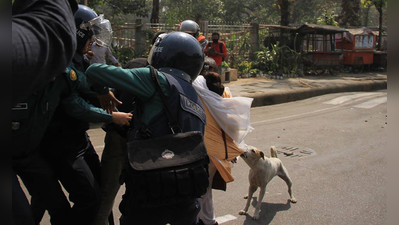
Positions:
{"x": 232, "y": 114}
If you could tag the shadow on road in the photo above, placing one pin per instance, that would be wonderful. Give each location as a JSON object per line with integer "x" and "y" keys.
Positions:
{"x": 267, "y": 212}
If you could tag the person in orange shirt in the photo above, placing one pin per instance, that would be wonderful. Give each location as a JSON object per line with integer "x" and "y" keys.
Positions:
{"x": 216, "y": 50}
{"x": 221, "y": 148}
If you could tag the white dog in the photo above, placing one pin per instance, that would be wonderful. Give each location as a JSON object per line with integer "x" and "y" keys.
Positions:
{"x": 262, "y": 170}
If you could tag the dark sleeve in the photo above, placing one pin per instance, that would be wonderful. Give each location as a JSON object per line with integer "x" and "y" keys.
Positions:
{"x": 43, "y": 43}
{"x": 78, "y": 108}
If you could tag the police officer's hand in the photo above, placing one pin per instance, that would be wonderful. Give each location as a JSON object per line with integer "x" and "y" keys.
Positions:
{"x": 121, "y": 118}
{"x": 109, "y": 102}
{"x": 90, "y": 54}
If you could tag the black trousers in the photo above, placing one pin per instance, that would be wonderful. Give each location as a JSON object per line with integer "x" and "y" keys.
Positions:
{"x": 41, "y": 183}
{"x": 184, "y": 213}
{"x": 79, "y": 173}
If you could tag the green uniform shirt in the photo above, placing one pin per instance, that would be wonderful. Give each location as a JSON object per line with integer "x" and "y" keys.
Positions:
{"x": 135, "y": 81}
{"x": 31, "y": 117}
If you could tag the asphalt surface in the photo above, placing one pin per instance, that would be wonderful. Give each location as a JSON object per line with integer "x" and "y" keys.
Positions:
{"x": 267, "y": 91}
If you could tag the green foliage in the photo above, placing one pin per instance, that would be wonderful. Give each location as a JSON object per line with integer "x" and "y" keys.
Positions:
{"x": 225, "y": 64}
{"x": 175, "y": 11}
{"x": 118, "y": 11}
{"x": 246, "y": 11}
{"x": 349, "y": 15}
{"x": 327, "y": 18}
{"x": 244, "y": 67}
{"x": 278, "y": 59}
{"x": 254, "y": 71}
{"x": 376, "y": 3}
{"x": 123, "y": 54}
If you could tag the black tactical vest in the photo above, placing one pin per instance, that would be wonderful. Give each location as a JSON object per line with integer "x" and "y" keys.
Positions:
{"x": 185, "y": 106}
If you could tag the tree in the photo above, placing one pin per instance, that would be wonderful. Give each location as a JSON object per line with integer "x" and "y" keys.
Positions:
{"x": 155, "y": 11}
{"x": 284, "y": 6}
{"x": 116, "y": 10}
{"x": 366, "y": 15}
{"x": 379, "y": 5}
{"x": 175, "y": 11}
{"x": 349, "y": 13}
{"x": 327, "y": 18}
{"x": 310, "y": 11}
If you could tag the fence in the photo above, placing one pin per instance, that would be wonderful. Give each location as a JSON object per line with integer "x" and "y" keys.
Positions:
{"x": 138, "y": 35}
{"x": 242, "y": 39}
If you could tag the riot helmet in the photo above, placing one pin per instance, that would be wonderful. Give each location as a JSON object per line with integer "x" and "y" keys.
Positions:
{"x": 89, "y": 24}
{"x": 177, "y": 50}
{"x": 190, "y": 27}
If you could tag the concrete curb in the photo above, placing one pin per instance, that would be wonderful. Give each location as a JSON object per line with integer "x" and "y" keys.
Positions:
{"x": 277, "y": 97}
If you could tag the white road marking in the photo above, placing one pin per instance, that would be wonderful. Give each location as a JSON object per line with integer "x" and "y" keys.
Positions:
{"x": 342, "y": 99}
{"x": 372, "y": 103}
{"x": 321, "y": 110}
{"x": 297, "y": 115}
{"x": 225, "y": 218}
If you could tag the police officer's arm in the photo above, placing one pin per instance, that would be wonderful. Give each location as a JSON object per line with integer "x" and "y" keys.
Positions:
{"x": 134, "y": 81}
{"x": 43, "y": 43}
{"x": 78, "y": 108}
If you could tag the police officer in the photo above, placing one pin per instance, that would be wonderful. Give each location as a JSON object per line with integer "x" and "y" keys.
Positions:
{"x": 179, "y": 59}
{"x": 66, "y": 145}
{"x": 29, "y": 122}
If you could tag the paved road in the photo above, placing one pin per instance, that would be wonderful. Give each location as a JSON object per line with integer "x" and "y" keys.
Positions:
{"x": 344, "y": 182}
{"x": 338, "y": 168}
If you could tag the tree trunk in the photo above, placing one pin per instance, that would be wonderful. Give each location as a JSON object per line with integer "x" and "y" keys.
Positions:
{"x": 254, "y": 40}
{"x": 284, "y": 7}
{"x": 366, "y": 17}
{"x": 155, "y": 11}
{"x": 380, "y": 28}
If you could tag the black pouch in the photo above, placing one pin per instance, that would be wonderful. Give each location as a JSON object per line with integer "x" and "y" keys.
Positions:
{"x": 169, "y": 183}
{"x": 180, "y": 162}
{"x": 200, "y": 173}
{"x": 185, "y": 185}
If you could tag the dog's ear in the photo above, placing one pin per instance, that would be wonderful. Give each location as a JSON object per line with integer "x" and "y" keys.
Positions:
{"x": 262, "y": 155}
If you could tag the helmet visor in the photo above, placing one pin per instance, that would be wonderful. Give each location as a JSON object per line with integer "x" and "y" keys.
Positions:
{"x": 102, "y": 30}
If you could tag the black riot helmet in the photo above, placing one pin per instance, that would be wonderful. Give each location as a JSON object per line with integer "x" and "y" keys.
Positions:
{"x": 89, "y": 24}
{"x": 177, "y": 50}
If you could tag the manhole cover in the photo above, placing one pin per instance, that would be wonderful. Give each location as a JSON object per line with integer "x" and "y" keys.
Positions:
{"x": 292, "y": 152}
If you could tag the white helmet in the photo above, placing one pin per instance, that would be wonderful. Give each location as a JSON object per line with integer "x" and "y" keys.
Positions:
{"x": 190, "y": 27}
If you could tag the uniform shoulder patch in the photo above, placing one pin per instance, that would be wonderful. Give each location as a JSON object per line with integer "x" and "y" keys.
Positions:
{"x": 192, "y": 107}
{"x": 72, "y": 75}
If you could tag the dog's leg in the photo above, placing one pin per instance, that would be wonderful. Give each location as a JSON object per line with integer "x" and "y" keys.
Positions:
{"x": 251, "y": 191}
{"x": 285, "y": 176}
{"x": 260, "y": 198}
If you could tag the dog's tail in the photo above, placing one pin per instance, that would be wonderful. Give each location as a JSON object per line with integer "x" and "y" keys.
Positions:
{"x": 273, "y": 152}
